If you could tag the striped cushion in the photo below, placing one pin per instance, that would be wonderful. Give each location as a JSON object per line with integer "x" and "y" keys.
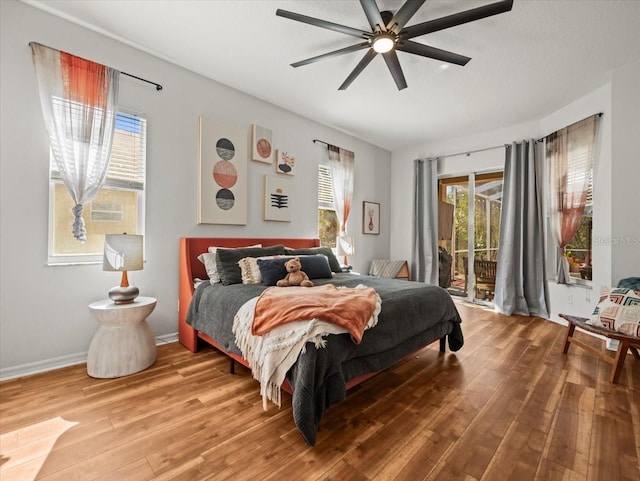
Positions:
{"x": 385, "y": 268}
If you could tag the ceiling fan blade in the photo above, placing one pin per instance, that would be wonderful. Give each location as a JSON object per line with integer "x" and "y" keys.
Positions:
{"x": 391, "y": 57}
{"x": 403, "y": 15}
{"x": 373, "y": 15}
{"x": 457, "y": 19}
{"x": 335, "y": 53}
{"x": 368, "y": 57}
{"x": 324, "y": 24}
{"x": 432, "y": 52}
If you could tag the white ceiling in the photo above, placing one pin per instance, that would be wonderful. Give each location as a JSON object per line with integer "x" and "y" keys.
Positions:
{"x": 525, "y": 63}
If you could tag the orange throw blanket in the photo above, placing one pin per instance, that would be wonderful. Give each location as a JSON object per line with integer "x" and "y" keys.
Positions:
{"x": 346, "y": 307}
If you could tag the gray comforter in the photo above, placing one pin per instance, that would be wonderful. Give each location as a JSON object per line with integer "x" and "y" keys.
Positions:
{"x": 413, "y": 314}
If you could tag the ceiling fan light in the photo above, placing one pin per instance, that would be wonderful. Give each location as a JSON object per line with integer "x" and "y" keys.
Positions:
{"x": 383, "y": 43}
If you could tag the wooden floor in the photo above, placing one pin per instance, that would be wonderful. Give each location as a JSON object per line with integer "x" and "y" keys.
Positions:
{"x": 508, "y": 406}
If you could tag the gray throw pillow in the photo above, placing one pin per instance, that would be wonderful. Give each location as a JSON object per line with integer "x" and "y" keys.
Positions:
{"x": 227, "y": 261}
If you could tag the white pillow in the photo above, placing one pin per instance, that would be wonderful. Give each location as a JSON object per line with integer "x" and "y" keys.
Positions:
{"x": 209, "y": 261}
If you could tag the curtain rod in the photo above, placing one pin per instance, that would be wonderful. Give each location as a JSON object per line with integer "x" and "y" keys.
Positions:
{"x": 469, "y": 152}
{"x": 599, "y": 114}
{"x": 158, "y": 86}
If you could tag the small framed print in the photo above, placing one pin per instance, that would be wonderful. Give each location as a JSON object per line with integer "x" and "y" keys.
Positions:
{"x": 370, "y": 218}
{"x": 261, "y": 146}
{"x": 278, "y": 192}
{"x": 285, "y": 162}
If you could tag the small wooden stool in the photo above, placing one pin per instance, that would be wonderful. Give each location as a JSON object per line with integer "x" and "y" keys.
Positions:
{"x": 625, "y": 343}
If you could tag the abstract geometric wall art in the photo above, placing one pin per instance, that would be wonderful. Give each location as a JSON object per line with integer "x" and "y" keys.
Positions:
{"x": 261, "y": 145}
{"x": 285, "y": 162}
{"x": 278, "y": 198}
{"x": 222, "y": 173}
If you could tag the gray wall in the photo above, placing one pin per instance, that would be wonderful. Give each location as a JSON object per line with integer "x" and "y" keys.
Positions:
{"x": 44, "y": 320}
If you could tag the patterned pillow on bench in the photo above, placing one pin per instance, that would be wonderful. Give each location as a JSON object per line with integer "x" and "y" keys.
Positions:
{"x": 618, "y": 310}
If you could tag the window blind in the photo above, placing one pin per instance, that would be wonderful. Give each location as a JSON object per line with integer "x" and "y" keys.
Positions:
{"x": 128, "y": 151}
{"x": 579, "y": 164}
{"x": 325, "y": 188}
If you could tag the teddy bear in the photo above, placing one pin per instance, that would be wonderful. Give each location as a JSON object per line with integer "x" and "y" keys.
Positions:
{"x": 295, "y": 276}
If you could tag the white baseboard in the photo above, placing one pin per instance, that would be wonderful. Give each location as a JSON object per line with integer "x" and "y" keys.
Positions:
{"x": 167, "y": 338}
{"x": 42, "y": 366}
{"x": 63, "y": 361}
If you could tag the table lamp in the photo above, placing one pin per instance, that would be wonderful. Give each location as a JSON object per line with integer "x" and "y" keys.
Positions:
{"x": 345, "y": 247}
{"x": 122, "y": 252}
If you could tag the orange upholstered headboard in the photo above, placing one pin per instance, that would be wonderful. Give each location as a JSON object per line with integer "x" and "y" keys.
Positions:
{"x": 191, "y": 268}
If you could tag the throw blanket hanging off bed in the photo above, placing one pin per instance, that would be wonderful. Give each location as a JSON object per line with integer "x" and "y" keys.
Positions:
{"x": 287, "y": 320}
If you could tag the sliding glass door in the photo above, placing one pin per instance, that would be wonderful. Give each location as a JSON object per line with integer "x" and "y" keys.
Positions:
{"x": 473, "y": 240}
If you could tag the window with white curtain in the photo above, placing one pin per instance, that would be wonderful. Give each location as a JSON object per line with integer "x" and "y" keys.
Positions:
{"x": 570, "y": 159}
{"x": 328, "y": 224}
{"x": 579, "y": 249}
{"x": 118, "y": 208}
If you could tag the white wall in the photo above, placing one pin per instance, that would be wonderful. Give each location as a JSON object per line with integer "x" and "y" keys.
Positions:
{"x": 625, "y": 191}
{"x": 44, "y": 320}
{"x": 616, "y": 194}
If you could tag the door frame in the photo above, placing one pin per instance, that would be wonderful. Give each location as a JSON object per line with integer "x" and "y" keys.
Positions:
{"x": 470, "y": 178}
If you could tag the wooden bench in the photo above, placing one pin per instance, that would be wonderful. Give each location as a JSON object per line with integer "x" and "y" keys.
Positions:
{"x": 625, "y": 343}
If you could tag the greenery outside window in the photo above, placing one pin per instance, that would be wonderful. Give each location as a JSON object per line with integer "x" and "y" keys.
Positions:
{"x": 118, "y": 208}
{"x": 578, "y": 250}
{"x": 477, "y": 203}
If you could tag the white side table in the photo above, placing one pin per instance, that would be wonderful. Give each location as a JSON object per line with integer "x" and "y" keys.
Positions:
{"x": 124, "y": 343}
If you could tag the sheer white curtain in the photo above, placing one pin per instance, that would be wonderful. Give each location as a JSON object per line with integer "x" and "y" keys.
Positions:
{"x": 569, "y": 153}
{"x": 78, "y": 100}
{"x": 341, "y": 163}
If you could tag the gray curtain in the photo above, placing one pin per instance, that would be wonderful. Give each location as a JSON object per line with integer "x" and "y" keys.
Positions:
{"x": 424, "y": 260}
{"x": 520, "y": 276}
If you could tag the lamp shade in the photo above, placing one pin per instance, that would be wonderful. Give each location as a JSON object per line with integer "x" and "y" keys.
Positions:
{"x": 345, "y": 246}
{"x": 122, "y": 252}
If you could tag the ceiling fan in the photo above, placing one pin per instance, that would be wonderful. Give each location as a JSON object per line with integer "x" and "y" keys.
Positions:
{"x": 389, "y": 34}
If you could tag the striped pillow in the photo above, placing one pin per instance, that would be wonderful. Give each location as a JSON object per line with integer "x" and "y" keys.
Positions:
{"x": 250, "y": 270}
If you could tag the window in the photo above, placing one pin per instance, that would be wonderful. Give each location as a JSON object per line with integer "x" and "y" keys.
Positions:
{"x": 578, "y": 249}
{"x": 118, "y": 208}
{"x": 328, "y": 224}
{"x": 106, "y": 211}
{"x": 569, "y": 155}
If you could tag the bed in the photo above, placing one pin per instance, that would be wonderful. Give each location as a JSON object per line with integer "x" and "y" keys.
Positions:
{"x": 413, "y": 315}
